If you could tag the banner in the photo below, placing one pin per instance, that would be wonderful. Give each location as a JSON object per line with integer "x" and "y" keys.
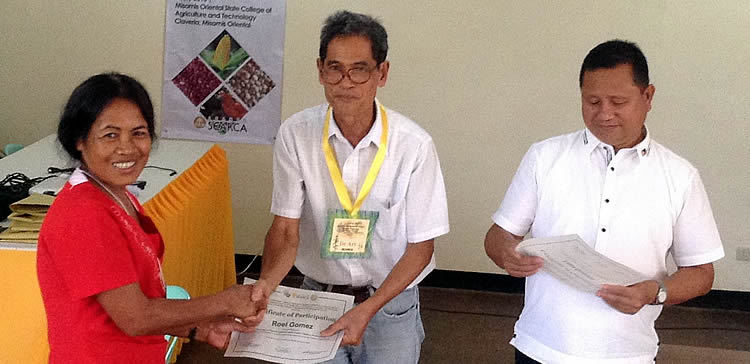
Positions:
{"x": 223, "y": 62}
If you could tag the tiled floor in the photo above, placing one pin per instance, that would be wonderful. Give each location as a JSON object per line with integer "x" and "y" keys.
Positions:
{"x": 474, "y": 327}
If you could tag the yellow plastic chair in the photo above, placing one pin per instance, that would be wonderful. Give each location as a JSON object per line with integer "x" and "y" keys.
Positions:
{"x": 173, "y": 349}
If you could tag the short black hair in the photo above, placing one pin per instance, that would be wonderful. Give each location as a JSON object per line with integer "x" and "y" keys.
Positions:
{"x": 90, "y": 98}
{"x": 345, "y": 23}
{"x": 613, "y": 53}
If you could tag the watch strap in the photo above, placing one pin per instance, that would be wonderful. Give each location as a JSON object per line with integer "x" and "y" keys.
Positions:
{"x": 661, "y": 294}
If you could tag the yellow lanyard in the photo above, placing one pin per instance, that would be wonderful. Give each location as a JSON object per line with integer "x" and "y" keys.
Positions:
{"x": 333, "y": 167}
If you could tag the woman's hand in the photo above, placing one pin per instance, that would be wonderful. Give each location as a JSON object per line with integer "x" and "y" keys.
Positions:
{"x": 238, "y": 301}
{"x": 218, "y": 333}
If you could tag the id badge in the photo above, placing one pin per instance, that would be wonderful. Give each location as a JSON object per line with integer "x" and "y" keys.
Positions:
{"x": 348, "y": 237}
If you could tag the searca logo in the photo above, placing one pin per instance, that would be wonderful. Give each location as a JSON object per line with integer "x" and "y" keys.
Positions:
{"x": 223, "y": 126}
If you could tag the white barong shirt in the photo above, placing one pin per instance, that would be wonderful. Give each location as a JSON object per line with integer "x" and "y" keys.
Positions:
{"x": 635, "y": 207}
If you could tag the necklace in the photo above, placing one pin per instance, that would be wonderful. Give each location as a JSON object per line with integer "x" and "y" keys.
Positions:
{"x": 109, "y": 192}
{"x": 135, "y": 232}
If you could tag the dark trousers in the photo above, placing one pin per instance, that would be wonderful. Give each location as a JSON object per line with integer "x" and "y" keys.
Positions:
{"x": 521, "y": 358}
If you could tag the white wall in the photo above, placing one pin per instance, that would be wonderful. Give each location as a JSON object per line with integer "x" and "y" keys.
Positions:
{"x": 485, "y": 78}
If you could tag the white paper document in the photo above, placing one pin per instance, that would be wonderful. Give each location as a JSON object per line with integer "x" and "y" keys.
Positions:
{"x": 569, "y": 259}
{"x": 290, "y": 331}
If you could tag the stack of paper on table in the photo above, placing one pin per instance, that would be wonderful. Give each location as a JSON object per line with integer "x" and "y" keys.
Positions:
{"x": 26, "y": 218}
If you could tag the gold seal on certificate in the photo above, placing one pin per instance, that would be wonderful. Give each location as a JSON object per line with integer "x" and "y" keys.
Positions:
{"x": 347, "y": 236}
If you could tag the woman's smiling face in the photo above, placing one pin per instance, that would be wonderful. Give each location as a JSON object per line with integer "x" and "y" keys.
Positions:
{"x": 118, "y": 144}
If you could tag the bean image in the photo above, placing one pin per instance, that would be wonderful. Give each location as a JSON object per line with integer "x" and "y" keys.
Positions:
{"x": 196, "y": 81}
{"x": 250, "y": 83}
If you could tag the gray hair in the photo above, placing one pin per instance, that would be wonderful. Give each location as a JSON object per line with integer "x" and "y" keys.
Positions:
{"x": 345, "y": 23}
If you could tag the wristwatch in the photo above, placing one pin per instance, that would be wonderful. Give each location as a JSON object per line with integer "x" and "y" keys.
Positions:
{"x": 661, "y": 294}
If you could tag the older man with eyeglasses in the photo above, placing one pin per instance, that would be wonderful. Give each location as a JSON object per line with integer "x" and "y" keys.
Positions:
{"x": 358, "y": 199}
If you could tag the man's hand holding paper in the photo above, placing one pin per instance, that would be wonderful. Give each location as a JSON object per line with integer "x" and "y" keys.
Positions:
{"x": 629, "y": 299}
{"x": 515, "y": 263}
{"x": 520, "y": 265}
{"x": 353, "y": 325}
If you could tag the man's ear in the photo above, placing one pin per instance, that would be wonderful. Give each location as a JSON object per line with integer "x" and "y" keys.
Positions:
{"x": 384, "y": 67}
{"x": 319, "y": 64}
{"x": 648, "y": 94}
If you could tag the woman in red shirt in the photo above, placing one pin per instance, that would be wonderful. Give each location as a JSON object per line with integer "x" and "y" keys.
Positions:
{"x": 99, "y": 257}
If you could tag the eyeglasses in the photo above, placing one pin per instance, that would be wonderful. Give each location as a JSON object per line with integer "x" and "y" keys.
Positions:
{"x": 358, "y": 75}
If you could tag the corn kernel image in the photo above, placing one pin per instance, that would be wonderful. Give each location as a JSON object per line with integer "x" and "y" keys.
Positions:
{"x": 221, "y": 56}
{"x": 224, "y": 55}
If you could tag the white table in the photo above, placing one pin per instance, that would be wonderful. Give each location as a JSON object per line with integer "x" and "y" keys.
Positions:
{"x": 33, "y": 161}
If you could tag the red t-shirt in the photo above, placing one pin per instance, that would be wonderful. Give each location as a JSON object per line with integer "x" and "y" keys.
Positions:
{"x": 88, "y": 245}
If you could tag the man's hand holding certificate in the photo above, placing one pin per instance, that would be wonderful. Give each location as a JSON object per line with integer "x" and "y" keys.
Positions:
{"x": 290, "y": 330}
{"x": 569, "y": 259}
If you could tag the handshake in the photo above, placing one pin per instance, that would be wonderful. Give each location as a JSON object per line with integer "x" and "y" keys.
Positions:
{"x": 238, "y": 308}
